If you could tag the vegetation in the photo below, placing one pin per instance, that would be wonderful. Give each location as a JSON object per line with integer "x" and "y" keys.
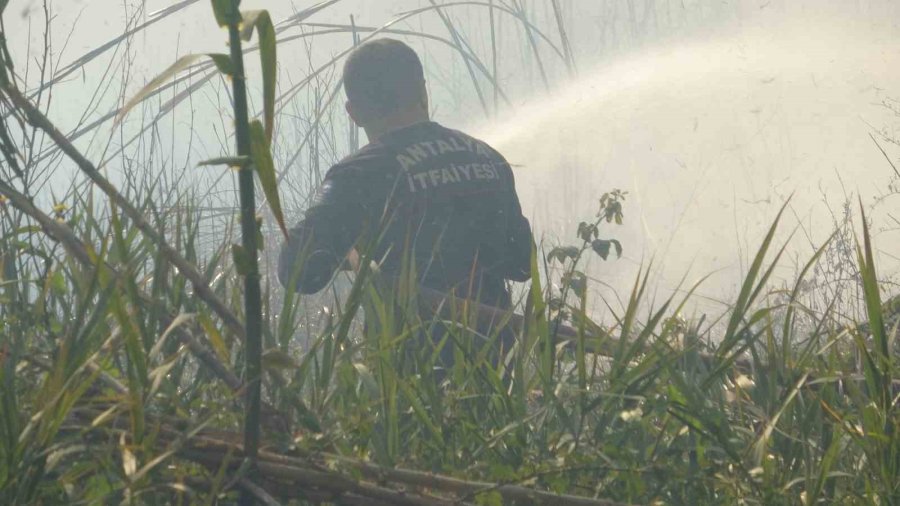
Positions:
{"x": 131, "y": 370}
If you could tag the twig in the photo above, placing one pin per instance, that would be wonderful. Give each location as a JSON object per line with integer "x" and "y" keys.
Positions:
{"x": 472, "y": 488}
{"x": 300, "y": 469}
{"x": 886, "y": 157}
{"x": 308, "y": 477}
{"x": 304, "y": 477}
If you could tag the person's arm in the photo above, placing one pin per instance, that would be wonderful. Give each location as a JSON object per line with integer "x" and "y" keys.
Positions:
{"x": 519, "y": 238}
{"x": 318, "y": 245}
{"x": 520, "y": 241}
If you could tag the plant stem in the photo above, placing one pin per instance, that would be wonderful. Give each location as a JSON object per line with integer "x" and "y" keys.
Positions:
{"x": 564, "y": 38}
{"x": 494, "y": 57}
{"x": 252, "y": 295}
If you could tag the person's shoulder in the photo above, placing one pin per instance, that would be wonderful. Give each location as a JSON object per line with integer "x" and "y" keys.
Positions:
{"x": 474, "y": 141}
{"x": 367, "y": 159}
{"x": 370, "y": 155}
{"x": 459, "y": 133}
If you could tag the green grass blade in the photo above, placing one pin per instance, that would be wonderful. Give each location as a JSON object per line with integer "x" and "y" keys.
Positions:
{"x": 265, "y": 169}
{"x": 262, "y": 22}
{"x": 750, "y": 287}
{"x": 222, "y": 61}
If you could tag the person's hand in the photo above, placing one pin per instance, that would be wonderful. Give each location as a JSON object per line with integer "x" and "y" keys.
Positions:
{"x": 351, "y": 262}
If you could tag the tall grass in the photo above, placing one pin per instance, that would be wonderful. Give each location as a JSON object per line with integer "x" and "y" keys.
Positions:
{"x": 123, "y": 343}
{"x": 93, "y": 380}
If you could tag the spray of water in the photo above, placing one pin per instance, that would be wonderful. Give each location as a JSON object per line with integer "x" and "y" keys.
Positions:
{"x": 710, "y": 138}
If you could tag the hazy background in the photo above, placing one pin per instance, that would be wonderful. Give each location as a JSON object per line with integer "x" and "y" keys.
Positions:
{"x": 710, "y": 114}
{"x": 711, "y": 135}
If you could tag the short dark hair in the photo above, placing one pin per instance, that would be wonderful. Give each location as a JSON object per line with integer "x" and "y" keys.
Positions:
{"x": 382, "y": 76}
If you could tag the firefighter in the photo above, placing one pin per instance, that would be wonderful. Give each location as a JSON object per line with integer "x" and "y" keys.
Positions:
{"x": 419, "y": 195}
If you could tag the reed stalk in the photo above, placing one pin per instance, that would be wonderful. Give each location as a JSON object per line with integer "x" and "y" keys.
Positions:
{"x": 564, "y": 39}
{"x": 249, "y": 234}
{"x": 494, "y": 62}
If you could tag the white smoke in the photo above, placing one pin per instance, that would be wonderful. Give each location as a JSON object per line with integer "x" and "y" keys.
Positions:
{"x": 710, "y": 138}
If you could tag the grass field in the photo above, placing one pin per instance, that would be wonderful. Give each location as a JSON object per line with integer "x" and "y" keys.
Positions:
{"x": 128, "y": 371}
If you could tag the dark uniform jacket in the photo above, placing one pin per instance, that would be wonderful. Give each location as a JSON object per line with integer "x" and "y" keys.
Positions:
{"x": 432, "y": 198}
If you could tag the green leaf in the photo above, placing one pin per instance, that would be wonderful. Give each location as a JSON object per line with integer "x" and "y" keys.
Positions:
{"x": 158, "y": 375}
{"x": 225, "y": 11}
{"x": 58, "y": 283}
{"x": 421, "y": 412}
{"x": 265, "y": 168}
{"x": 586, "y": 231}
{"x": 179, "y": 321}
{"x": 871, "y": 290}
{"x": 576, "y": 280}
{"x": 222, "y": 61}
{"x": 261, "y": 21}
{"x": 563, "y": 253}
{"x": 231, "y": 161}
{"x": 241, "y": 258}
{"x": 760, "y": 446}
{"x": 750, "y": 288}
{"x": 215, "y": 337}
{"x": 491, "y": 498}
{"x": 825, "y": 466}
{"x": 601, "y": 247}
{"x": 502, "y": 472}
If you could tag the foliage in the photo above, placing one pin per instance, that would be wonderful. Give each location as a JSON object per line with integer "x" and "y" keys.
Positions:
{"x": 105, "y": 390}
{"x": 664, "y": 418}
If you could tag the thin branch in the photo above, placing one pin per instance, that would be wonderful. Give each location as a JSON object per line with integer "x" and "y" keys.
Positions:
{"x": 886, "y": 157}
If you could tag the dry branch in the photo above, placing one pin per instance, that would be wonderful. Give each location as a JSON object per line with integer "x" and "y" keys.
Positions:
{"x": 290, "y": 477}
{"x": 307, "y": 473}
{"x": 464, "y": 488}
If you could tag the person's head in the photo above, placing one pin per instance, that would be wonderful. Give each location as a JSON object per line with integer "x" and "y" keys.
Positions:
{"x": 385, "y": 86}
